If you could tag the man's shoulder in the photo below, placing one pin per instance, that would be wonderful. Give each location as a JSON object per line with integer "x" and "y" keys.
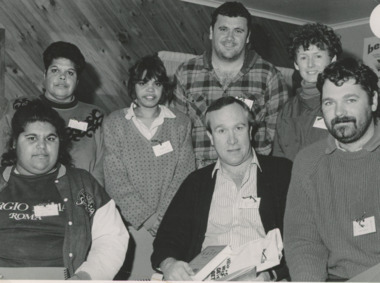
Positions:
{"x": 199, "y": 179}
{"x": 257, "y": 62}
{"x": 202, "y": 173}
{"x": 196, "y": 63}
{"x": 311, "y": 155}
{"x": 274, "y": 164}
{"x": 314, "y": 149}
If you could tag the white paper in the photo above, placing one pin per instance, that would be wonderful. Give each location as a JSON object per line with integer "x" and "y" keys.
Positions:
{"x": 263, "y": 253}
{"x": 163, "y": 148}
{"x": 79, "y": 125}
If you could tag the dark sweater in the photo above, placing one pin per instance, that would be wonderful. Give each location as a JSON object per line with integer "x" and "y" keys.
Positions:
{"x": 294, "y": 128}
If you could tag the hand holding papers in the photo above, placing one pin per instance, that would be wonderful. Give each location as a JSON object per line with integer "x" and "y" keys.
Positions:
{"x": 260, "y": 254}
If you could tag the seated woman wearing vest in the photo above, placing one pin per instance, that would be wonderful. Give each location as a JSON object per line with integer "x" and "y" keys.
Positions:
{"x": 53, "y": 215}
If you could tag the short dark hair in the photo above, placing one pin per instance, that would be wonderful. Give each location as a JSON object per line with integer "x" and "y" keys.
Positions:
{"x": 316, "y": 34}
{"x": 343, "y": 70}
{"x": 225, "y": 101}
{"x": 67, "y": 50}
{"x": 232, "y": 9}
{"x": 37, "y": 111}
{"x": 145, "y": 69}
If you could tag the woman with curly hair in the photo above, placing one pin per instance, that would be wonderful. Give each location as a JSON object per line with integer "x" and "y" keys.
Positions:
{"x": 312, "y": 47}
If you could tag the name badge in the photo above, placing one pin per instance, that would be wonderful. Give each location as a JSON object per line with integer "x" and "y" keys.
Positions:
{"x": 320, "y": 123}
{"x": 364, "y": 226}
{"x": 162, "y": 148}
{"x": 248, "y": 102}
{"x": 250, "y": 202}
{"x": 46, "y": 210}
{"x": 79, "y": 125}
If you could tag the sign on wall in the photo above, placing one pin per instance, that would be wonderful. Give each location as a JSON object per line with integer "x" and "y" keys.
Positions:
{"x": 371, "y": 53}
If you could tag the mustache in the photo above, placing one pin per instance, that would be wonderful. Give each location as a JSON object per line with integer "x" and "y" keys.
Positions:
{"x": 344, "y": 119}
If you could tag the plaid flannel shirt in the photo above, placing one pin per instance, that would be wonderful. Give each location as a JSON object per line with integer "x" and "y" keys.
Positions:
{"x": 197, "y": 86}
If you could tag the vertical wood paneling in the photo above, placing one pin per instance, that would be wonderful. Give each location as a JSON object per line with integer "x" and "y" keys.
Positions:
{"x": 112, "y": 34}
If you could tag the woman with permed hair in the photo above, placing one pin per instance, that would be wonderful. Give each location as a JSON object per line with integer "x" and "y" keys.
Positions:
{"x": 148, "y": 155}
{"x": 311, "y": 47}
{"x": 54, "y": 215}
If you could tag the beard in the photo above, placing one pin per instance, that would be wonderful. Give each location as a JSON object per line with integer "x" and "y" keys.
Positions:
{"x": 346, "y": 130}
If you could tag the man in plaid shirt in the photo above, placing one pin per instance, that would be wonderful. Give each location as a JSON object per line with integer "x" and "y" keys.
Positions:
{"x": 230, "y": 69}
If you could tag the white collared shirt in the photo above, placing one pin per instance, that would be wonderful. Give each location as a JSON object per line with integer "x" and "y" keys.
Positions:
{"x": 234, "y": 217}
{"x": 148, "y": 133}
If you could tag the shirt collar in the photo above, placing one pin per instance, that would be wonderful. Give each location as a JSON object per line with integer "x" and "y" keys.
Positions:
{"x": 164, "y": 113}
{"x": 371, "y": 145}
{"x": 254, "y": 160}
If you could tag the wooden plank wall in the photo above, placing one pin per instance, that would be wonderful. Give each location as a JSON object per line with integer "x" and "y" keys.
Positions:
{"x": 2, "y": 70}
{"x": 112, "y": 34}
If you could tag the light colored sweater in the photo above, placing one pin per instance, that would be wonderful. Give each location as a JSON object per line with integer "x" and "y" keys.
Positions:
{"x": 329, "y": 190}
{"x": 141, "y": 183}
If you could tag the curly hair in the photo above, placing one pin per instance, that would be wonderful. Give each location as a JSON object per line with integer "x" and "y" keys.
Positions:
{"x": 343, "y": 70}
{"x": 231, "y": 9}
{"x": 67, "y": 50}
{"x": 37, "y": 111}
{"x": 145, "y": 69}
{"x": 316, "y": 34}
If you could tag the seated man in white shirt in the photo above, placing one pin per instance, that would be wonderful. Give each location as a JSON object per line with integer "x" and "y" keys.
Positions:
{"x": 208, "y": 207}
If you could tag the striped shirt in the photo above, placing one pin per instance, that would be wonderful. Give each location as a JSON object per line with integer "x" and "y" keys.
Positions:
{"x": 234, "y": 217}
{"x": 197, "y": 86}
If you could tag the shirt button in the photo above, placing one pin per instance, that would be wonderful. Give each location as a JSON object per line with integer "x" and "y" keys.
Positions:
{"x": 70, "y": 223}
{"x": 56, "y": 181}
{"x": 70, "y": 255}
{"x": 65, "y": 199}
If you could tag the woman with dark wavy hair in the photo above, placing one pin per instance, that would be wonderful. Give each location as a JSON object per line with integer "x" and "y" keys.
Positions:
{"x": 51, "y": 214}
{"x": 148, "y": 155}
{"x": 311, "y": 47}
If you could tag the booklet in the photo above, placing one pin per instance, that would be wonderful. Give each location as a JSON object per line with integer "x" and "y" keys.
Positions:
{"x": 255, "y": 256}
{"x": 208, "y": 260}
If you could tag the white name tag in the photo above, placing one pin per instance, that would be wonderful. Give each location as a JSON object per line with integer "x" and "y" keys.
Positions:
{"x": 250, "y": 202}
{"x": 46, "y": 210}
{"x": 162, "y": 148}
{"x": 247, "y": 101}
{"x": 364, "y": 226}
{"x": 320, "y": 123}
{"x": 79, "y": 125}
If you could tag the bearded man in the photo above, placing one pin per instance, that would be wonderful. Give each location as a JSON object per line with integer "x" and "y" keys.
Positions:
{"x": 332, "y": 218}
